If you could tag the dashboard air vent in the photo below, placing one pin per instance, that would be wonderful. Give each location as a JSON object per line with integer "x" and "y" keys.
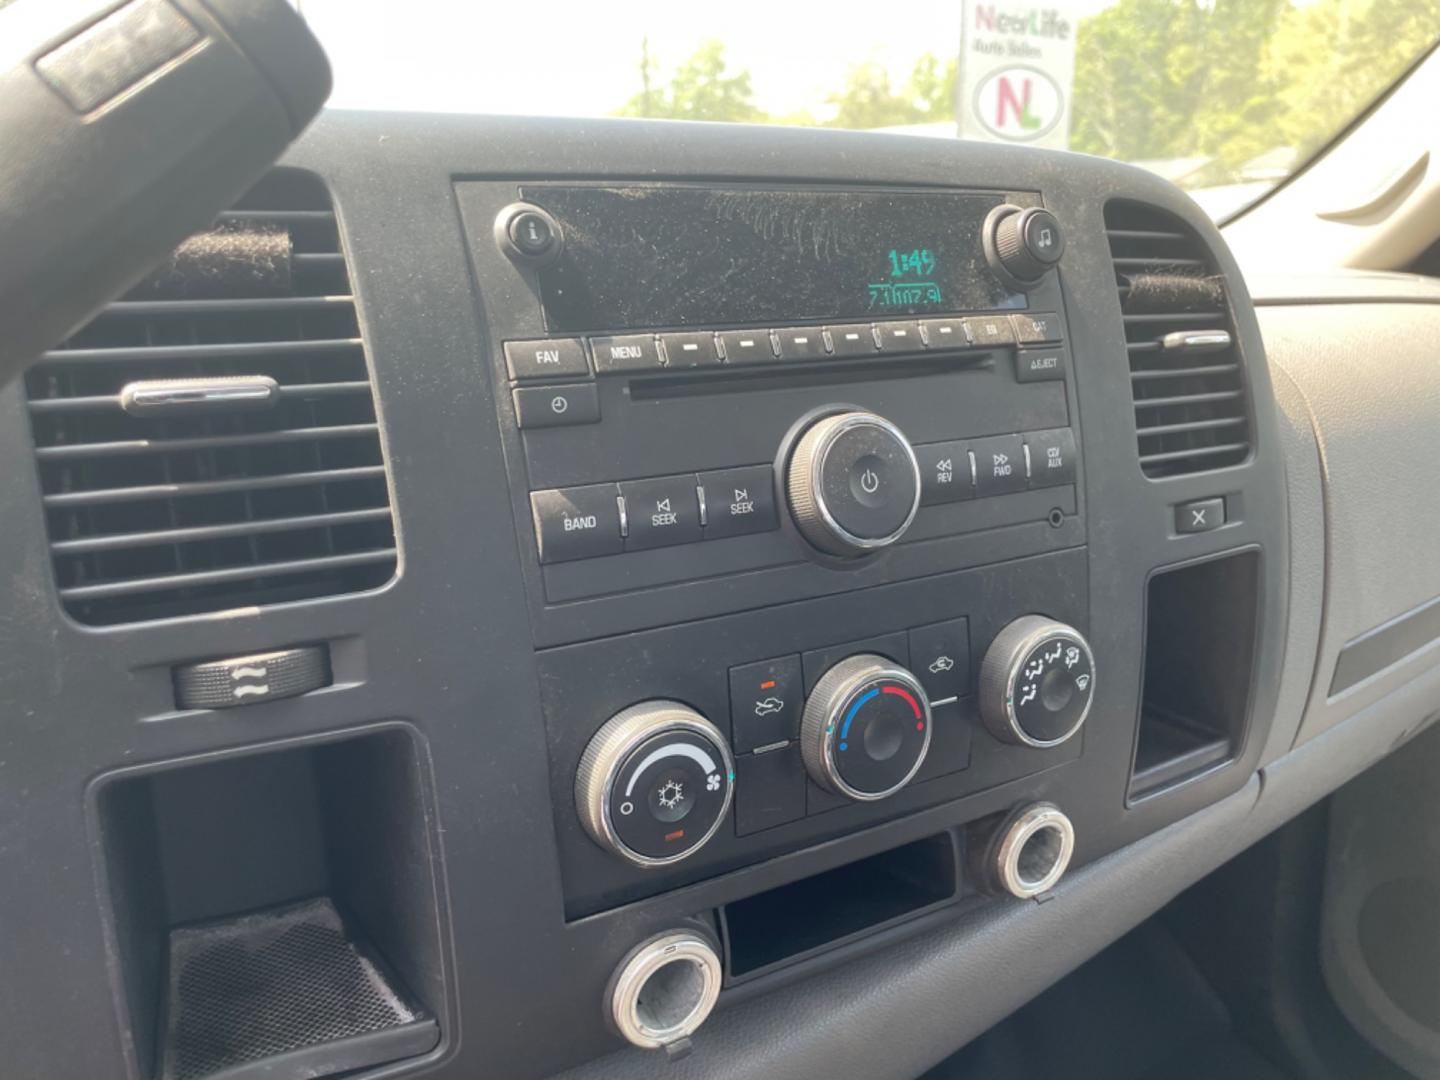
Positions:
{"x": 1191, "y": 407}
{"x": 210, "y": 441}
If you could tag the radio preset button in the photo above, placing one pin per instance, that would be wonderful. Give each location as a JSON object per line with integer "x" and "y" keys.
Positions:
{"x": 739, "y": 501}
{"x": 855, "y": 339}
{"x": 690, "y": 350}
{"x": 1040, "y": 328}
{"x": 746, "y": 346}
{"x": 945, "y": 333}
{"x": 577, "y": 523}
{"x": 557, "y": 406}
{"x": 661, "y": 512}
{"x": 633, "y": 352}
{"x": 801, "y": 343}
{"x": 944, "y": 473}
{"x": 1052, "y": 457}
{"x": 999, "y": 465}
{"x": 990, "y": 330}
{"x": 546, "y": 358}
{"x": 899, "y": 337}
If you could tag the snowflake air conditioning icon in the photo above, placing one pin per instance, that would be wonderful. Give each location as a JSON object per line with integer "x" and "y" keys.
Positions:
{"x": 670, "y": 794}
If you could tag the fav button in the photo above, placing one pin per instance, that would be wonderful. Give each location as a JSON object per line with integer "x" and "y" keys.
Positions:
{"x": 557, "y": 406}
{"x": 765, "y": 702}
{"x": 546, "y": 358}
{"x": 661, "y": 512}
{"x": 999, "y": 465}
{"x": 739, "y": 501}
{"x": 576, "y": 523}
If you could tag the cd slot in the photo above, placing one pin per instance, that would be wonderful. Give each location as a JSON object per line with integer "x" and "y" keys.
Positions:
{"x": 826, "y": 374}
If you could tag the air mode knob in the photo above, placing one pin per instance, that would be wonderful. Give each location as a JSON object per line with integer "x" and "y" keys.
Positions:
{"x": 1026, "y": 243}
{"x": 853, "y": 483}
{"x": 1036, "y": 682}
{"x": 866, "y": 728}
{"x": 655, "y": 783}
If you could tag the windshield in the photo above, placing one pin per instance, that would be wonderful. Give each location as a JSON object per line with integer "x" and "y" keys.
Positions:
{"x": 1224, "y": 98}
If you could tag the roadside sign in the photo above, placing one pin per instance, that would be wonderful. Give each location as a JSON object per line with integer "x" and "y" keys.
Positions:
{"x": 1017, "y": 64}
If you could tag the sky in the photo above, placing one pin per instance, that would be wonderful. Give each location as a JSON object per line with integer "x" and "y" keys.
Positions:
{"x": 572, "y": 58}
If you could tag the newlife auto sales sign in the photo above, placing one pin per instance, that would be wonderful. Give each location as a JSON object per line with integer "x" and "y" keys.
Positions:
{"x": 1017, "y": 64}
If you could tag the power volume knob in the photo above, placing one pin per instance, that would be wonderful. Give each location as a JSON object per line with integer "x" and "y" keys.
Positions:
{"x": 853, "y": 483}
{"x": 654, "y": 783}
{"x": 1037, "y": 682}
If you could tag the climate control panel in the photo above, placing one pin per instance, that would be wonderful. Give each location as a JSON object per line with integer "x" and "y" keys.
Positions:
{"x": 679, "y": 753}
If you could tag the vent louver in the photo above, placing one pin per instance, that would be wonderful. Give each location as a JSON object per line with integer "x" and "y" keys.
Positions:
{"x": 184, "y": 510}
{"x": 1191, "y": 407}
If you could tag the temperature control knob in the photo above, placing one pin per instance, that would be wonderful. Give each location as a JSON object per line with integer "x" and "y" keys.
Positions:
{"x": 853, "y": 483}
{"x": 866, "y": 728}
{"x": 1037, "y": 682}
{"x": 655, "y": 783}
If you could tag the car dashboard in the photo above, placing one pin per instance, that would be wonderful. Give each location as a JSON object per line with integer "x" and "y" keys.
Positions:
{"x": 859, "y": 575}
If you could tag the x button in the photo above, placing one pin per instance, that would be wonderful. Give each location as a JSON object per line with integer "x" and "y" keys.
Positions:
{"x": 1201, "y": 516}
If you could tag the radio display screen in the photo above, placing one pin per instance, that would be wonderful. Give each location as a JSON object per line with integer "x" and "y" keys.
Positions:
{"x": 670, "y": 255}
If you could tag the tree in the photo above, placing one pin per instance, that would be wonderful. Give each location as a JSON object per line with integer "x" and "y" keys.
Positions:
{"x": 868, "y": 101}
{"x": 1229, "y": 80}
{"x": 700, "y": 89}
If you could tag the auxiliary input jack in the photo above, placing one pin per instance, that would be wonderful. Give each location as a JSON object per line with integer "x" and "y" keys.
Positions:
{"x": 1028, "y": 852}
{"x": 664, "y": 990}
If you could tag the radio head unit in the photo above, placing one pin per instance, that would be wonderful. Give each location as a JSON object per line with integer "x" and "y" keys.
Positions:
{"x": 652, "y": 255}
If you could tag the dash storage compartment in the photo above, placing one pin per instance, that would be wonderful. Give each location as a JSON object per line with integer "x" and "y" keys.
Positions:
{"x": 275, "y": 914}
